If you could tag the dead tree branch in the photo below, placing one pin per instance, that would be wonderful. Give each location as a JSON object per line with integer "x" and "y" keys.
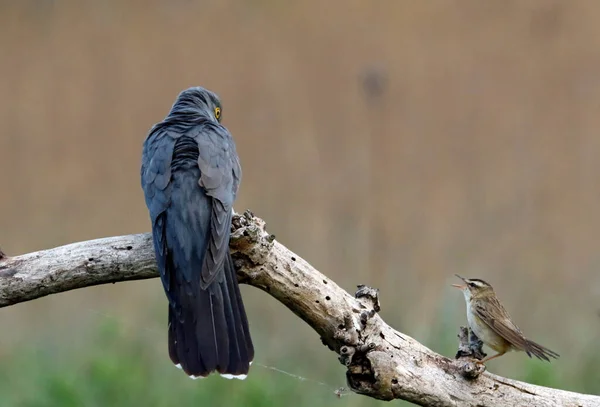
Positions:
{"x": 381, "y": 362}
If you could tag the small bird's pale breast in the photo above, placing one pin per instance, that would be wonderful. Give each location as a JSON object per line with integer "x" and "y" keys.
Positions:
{"x": 484, "y": 332}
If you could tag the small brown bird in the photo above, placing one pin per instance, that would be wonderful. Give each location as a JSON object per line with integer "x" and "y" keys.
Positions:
{"x": 489, "y": 320}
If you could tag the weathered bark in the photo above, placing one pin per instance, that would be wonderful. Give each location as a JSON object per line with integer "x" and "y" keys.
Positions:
{"x": 381, "y": 362}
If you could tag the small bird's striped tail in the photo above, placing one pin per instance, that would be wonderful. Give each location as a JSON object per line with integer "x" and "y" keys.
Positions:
{"x": 539, "y": 351}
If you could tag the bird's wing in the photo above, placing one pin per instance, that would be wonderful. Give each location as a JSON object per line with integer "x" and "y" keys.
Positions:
{"x": 498, "y": 319}
{"x": 155, "y": 178}
{"x": 220, "y": 177}
{"x": 503, "y": 326}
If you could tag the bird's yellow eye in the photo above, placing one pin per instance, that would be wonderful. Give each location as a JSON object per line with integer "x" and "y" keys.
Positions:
{"x": 218, "y": 113}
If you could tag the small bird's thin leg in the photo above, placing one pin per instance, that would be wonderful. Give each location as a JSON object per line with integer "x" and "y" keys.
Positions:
{"x": 492, "y": 357}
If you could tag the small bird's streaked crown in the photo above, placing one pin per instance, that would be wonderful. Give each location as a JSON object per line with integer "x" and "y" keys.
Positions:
{"x": 474, "y": 284}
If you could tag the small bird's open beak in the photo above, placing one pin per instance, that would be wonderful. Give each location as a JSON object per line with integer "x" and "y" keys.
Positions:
{"x": 461, "y": 286}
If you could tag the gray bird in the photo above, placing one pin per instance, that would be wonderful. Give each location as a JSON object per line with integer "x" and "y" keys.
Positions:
{"x": 190, "y": 176}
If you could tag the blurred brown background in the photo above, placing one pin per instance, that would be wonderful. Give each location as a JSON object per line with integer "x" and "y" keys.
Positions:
{"x": 389, "y": 143}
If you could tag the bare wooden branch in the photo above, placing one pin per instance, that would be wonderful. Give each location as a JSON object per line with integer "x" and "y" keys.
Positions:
{"x": 381, "y": 362}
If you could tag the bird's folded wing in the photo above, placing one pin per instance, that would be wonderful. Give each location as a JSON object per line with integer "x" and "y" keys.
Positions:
{"x": 220, "y": 175}
{"x": 495, "y": 316}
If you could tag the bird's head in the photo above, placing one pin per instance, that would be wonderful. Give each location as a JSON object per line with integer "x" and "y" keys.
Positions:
{"x": 195, "y": 103}
{"x": 474, "y": 288}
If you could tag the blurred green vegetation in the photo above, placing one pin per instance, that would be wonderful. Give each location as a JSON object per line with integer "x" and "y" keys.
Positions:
{"x": 112, "y": 366}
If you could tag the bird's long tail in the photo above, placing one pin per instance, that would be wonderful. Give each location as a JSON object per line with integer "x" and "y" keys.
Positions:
{"x": 539, "y": 351}
{"x": 209, "y": 330}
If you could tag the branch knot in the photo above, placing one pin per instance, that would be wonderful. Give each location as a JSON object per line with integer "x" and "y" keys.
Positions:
{"x": 248, "y": 235}
{"x": 368, "y": 295}
{"x": 470, "y": 346}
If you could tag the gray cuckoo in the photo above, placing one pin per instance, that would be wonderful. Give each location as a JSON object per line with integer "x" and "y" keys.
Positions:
{"x": 190, "y": 176}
